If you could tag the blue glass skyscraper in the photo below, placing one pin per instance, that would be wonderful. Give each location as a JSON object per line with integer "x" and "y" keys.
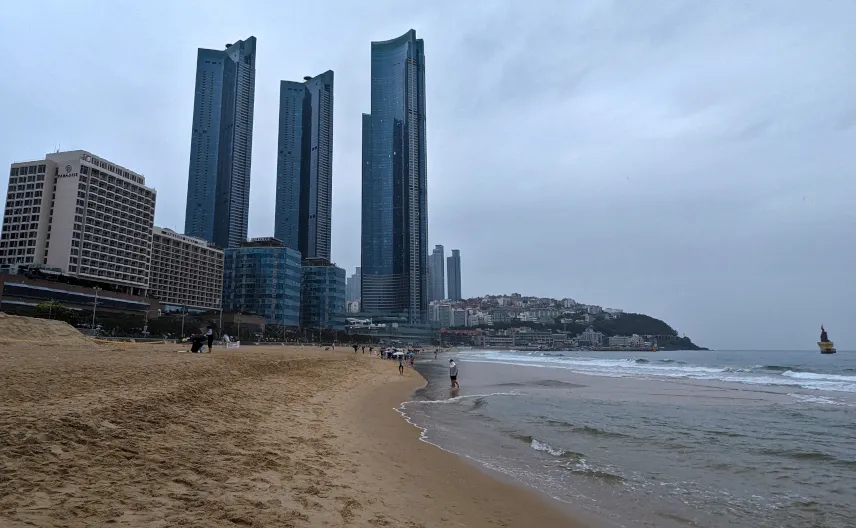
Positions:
{"x": 304, "y": 167}
{"x": 394, "y": 202}
{"x": 218, "y": 183}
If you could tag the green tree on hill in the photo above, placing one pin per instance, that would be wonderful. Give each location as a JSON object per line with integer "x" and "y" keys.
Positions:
{"x": 633, "y": 323}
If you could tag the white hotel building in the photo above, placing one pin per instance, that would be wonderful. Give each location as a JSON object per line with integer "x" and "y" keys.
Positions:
{"x": 85, "y": 215}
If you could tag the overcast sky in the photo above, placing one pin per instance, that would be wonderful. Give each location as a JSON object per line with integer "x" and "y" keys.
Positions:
{"x": 693, "y": 160}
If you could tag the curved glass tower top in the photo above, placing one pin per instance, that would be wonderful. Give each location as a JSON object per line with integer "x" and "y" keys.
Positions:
{"x": 395, "y": 221}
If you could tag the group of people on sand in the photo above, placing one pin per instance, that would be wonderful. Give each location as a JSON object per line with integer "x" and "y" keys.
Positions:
{"x": 357, "y": 348}
{"x": 198, "y": 340}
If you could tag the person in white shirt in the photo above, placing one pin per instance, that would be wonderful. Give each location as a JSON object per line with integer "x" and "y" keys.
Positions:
{"x": 453, "y": 373}
{"x": 210, "y": 335}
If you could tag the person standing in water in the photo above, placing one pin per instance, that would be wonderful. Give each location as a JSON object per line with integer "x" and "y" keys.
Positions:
{"x": 453, "y": 374}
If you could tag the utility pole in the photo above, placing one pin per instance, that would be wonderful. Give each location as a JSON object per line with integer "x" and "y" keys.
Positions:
{"x": 94, "y": 306}
{"x": 183, "y": 313}
{"x": 220, "y": 324}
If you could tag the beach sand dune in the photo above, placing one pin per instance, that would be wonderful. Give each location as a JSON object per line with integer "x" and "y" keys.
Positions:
{"x": 144, "y": 435}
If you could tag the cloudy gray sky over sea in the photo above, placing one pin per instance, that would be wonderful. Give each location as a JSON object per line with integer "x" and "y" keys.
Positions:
{"x": 692, "y": 160}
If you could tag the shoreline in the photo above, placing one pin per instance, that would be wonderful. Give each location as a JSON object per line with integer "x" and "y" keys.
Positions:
{"x": 147, "y": 435}
{"x": 472, "y": 495}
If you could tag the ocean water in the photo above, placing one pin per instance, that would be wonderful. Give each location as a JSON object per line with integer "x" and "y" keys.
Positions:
{"x": 708, "y": 439}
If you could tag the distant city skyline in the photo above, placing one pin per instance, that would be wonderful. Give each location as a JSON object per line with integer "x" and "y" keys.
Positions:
{"x": 304, "y": 168}
{"x": 218, "y": 183}
{"x": 394, "y": 199}
{"x": 726, "y": 170}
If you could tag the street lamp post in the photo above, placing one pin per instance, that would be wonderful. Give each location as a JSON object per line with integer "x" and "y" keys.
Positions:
{"x": 220, "y": 324}
{"x": 94, "y": 306}
{"x": 183, "y": 313}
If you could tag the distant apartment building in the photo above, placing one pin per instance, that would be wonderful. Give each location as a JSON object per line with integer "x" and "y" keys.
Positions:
{"x": 459, "y": 317}
{"x": 353, "y": 287}
{"x": 89, "y": 217}
{"x": 590, "y": 337}
{"x": 619, "y": 341}
{"x": 221, "y": 144}
{"x": 441, "y": 314}
{"x": 187, "y": 272}
{"x": 437, "y": 274}
{"x": 453, "y": 269}
{"x": 262, "y": 277}
{"x": 569, "y": 303}
{"x": 501, "y": 316}
{"x": 322, "y": 295}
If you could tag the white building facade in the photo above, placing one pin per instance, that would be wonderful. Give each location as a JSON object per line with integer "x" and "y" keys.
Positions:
{"x": 186, "y": 272}
{"x": 82, "y": 214}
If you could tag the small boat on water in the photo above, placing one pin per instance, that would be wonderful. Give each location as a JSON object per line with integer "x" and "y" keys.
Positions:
{"x": 826, "y": 346}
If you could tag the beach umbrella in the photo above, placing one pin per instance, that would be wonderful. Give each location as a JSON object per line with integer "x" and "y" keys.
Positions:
{"x": 398, "y": 353}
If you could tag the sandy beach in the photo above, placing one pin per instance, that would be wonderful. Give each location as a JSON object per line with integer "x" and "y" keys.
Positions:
{"x": 147, "y": 435}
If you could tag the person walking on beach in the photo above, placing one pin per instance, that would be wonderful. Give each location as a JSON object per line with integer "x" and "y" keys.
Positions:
{"x": 453, "y": 373}
{"x": 401, "y": 364}
{"x": 355, "y": 348}
{"x": 210, "y": 335}
{"x": 364, "y": 349}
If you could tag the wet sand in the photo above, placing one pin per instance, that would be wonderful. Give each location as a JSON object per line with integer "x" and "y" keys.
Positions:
{"x": 144, "y": 435}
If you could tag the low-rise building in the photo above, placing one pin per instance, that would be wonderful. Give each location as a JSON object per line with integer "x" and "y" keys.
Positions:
{"x": 590, "y": 338}
{"x": 619, "y": 341}
{"x": 459, "y": 317}
{"x": 322, "y": 295}
{"x": 187, "y": 272}
{"x": 263, "y": 277}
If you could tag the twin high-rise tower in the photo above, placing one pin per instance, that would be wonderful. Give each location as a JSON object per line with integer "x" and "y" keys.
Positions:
{"x": 304, "y": 167}
{"x": 218, "y": 183}
{"x": 395, "y": 218}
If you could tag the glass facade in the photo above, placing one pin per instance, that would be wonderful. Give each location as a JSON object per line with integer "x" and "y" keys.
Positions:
{"x": 323, "y": 296}
{"x": 218, "y": 183}
{"x": 394, "y": 171}
{"x": 262, "y": 277}
{"x": 304, "y": 169}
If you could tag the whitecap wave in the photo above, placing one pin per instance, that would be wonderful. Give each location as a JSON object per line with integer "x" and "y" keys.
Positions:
{"x": 758, "y": 375}
{"x": 537, "y": 445}
{"x": 457, "y": 399}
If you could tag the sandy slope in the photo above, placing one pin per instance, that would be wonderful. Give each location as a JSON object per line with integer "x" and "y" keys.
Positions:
{"x": 147, "y": 436}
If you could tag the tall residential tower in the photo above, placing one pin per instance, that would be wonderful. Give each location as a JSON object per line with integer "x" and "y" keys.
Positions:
{"x": 304, "y": 167}
{"x": 218, "y": 183}
{"x": 394, "y": 217}
{"x": 453, "y": 269}
{"x": 437, "y": 274}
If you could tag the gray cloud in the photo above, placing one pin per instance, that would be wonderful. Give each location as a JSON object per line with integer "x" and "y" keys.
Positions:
{"x": 691, "y": 160}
